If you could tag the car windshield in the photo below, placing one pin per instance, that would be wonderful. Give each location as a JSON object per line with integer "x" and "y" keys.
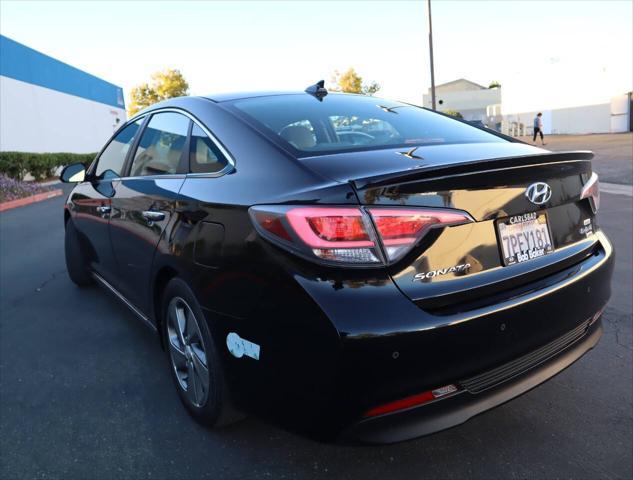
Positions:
{"x": 343, "y": 123}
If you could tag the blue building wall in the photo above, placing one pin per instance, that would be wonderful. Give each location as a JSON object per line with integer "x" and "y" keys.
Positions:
{"x": 22, "y": 63}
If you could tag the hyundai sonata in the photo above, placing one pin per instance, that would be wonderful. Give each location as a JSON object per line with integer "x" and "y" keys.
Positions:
{"x": 350, "y": 267}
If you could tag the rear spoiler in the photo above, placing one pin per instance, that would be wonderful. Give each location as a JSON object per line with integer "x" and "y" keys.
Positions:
{"x": 439, "y": 170}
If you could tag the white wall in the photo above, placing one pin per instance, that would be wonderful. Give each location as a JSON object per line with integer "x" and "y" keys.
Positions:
{"x": 523, "y": 123}
{"x": 460, "y": 85}
{"x": 620, "y": 113}
{"x": 37, "y": 119}
{"x": 585, "y": 119}
{"x": 472, "y": 104}
{"x": 568, "y": 121}
{"x": 465, "y": 100}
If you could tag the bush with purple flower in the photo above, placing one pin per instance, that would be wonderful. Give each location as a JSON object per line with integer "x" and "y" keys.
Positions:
{"x": 11, "y": 189}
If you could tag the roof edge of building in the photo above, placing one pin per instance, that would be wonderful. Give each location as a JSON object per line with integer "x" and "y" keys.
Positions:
{"x": 20, "y": 62}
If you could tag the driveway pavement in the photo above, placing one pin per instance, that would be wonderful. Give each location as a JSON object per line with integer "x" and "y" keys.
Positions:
{"x": 614, "y": 153}
{"x": 85, "y": 393}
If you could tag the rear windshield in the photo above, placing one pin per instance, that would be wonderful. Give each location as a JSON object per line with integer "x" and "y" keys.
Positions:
{"x": 343, "y": 123}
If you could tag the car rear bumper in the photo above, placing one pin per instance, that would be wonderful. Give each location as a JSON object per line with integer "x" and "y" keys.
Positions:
{"x": 492, "y": 355}
{"x": 380, "y": 347}
{"x": 449, "y": 412}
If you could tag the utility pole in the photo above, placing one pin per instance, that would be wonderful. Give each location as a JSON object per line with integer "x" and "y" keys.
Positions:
{"x": 431, "y": 55}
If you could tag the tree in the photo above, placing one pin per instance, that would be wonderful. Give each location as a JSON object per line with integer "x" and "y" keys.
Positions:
{"x": 166, "y": 84}
{"x": 453, "y": 113}
{"x": 494, "y": 84}
{"x": 352, "y": 82}
{"x": 370, "y": 89}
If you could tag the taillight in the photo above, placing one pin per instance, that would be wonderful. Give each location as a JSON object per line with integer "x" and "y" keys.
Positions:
{"x": 400, "y": 229}
{"x": 591, "y": 190}
{"x": 351, "y": 235}
{"x": 340, "y": 235}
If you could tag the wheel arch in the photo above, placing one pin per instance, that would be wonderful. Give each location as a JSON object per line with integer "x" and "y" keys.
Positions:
{"x": 161, "y": 279}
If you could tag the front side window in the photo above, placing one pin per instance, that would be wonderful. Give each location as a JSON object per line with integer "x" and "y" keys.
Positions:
{"x": 161, "y": 146}
{"x": 111, "y": 160}
{"x": 345, "y": 123}
{"x": 204, "y": 155}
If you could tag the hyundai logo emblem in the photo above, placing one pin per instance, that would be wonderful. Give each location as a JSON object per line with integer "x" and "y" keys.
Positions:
{"x": 538, "y": 193}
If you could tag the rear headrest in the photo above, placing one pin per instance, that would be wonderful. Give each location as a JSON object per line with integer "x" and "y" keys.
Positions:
{"x": 298, "y": 136}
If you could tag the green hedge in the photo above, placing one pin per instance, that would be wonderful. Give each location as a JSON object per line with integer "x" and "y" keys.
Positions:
{"x": 40, "y": 165}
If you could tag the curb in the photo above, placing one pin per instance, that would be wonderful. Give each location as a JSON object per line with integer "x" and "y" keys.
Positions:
{"x": 20, "y": 202}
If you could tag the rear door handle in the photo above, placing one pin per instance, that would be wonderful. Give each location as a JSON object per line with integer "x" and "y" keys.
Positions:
{"x": 104, "y": 209}
{"x": 153, "y": 216}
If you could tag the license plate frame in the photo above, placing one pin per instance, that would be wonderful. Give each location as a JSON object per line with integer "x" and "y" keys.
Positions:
{"x": 517, "y": 231}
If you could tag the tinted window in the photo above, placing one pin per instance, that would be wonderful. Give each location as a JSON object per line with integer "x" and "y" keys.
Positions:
{"x": 204, "y": 155}
{"x": 355, "y": 130}
{"x": 110, "y": 163}
{"x": 347, "y": 122}
{"x": 161, "y": 145}
{"x": 299, "y": 134}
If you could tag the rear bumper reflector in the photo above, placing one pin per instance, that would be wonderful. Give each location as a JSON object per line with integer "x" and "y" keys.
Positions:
{"x": 412, "y": 401}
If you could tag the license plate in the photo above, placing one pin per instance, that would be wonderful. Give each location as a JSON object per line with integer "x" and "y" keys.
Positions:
{"x": 524, "y": 237}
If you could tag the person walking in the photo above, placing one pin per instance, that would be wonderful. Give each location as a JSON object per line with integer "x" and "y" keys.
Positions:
{"x": 538, "y": 127}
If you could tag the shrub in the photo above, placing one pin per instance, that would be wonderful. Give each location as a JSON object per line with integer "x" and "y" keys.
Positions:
{"x": 11, "y": 189}
{"x": 13, "y": 164}
{"x": 453, "y": 113}
{"x": 40, "y": 165}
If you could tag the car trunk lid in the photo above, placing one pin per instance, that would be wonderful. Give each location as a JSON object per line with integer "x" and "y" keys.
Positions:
{"x": 453, "y": 268}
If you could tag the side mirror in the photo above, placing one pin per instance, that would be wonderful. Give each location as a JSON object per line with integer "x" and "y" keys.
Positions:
{"x": 74, "y": 173}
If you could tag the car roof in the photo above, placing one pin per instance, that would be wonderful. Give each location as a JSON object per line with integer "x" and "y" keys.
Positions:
{"x": 227, "y": 97}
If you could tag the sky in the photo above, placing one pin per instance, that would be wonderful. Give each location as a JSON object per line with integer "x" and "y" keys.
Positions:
{"x": 545, "y": 54}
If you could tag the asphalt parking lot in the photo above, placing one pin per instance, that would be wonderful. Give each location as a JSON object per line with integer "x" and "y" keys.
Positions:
{"x": 85, "y": 392}
{"x": 614, "y": 152}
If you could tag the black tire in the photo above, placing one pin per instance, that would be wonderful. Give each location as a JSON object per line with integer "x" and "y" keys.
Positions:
{"x": 213, "y": 408}
{"x": 76, "y": 264}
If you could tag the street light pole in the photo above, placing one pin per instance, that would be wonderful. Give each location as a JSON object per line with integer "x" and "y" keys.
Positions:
{"x": 431, "y": 55}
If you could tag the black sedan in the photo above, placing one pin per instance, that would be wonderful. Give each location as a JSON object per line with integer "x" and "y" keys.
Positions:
{"x": 352, "y": 268}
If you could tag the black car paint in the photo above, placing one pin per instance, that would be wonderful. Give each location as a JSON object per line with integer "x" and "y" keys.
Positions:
{"x": 134, "y": 238}
{"x": 337, "y": 341}
{"x": 87, "y": 201}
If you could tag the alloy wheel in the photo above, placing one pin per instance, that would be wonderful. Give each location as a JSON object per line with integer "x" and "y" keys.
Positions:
{"x": 187, "y": 351}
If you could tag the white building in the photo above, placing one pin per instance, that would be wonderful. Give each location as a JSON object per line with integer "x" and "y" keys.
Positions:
{"x": 608, "y": 117}
{"x": 466, "y": 97}
{"x": 49, "y": 106}
{"x": 508, "y": 109}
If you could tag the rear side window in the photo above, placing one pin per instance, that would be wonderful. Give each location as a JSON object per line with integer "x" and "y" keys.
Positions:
{"x": 204, "y": 155}
{"x": 111, "y": 160}
{"x": 343, "y": 123}
{"x": 161, "y": 146}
